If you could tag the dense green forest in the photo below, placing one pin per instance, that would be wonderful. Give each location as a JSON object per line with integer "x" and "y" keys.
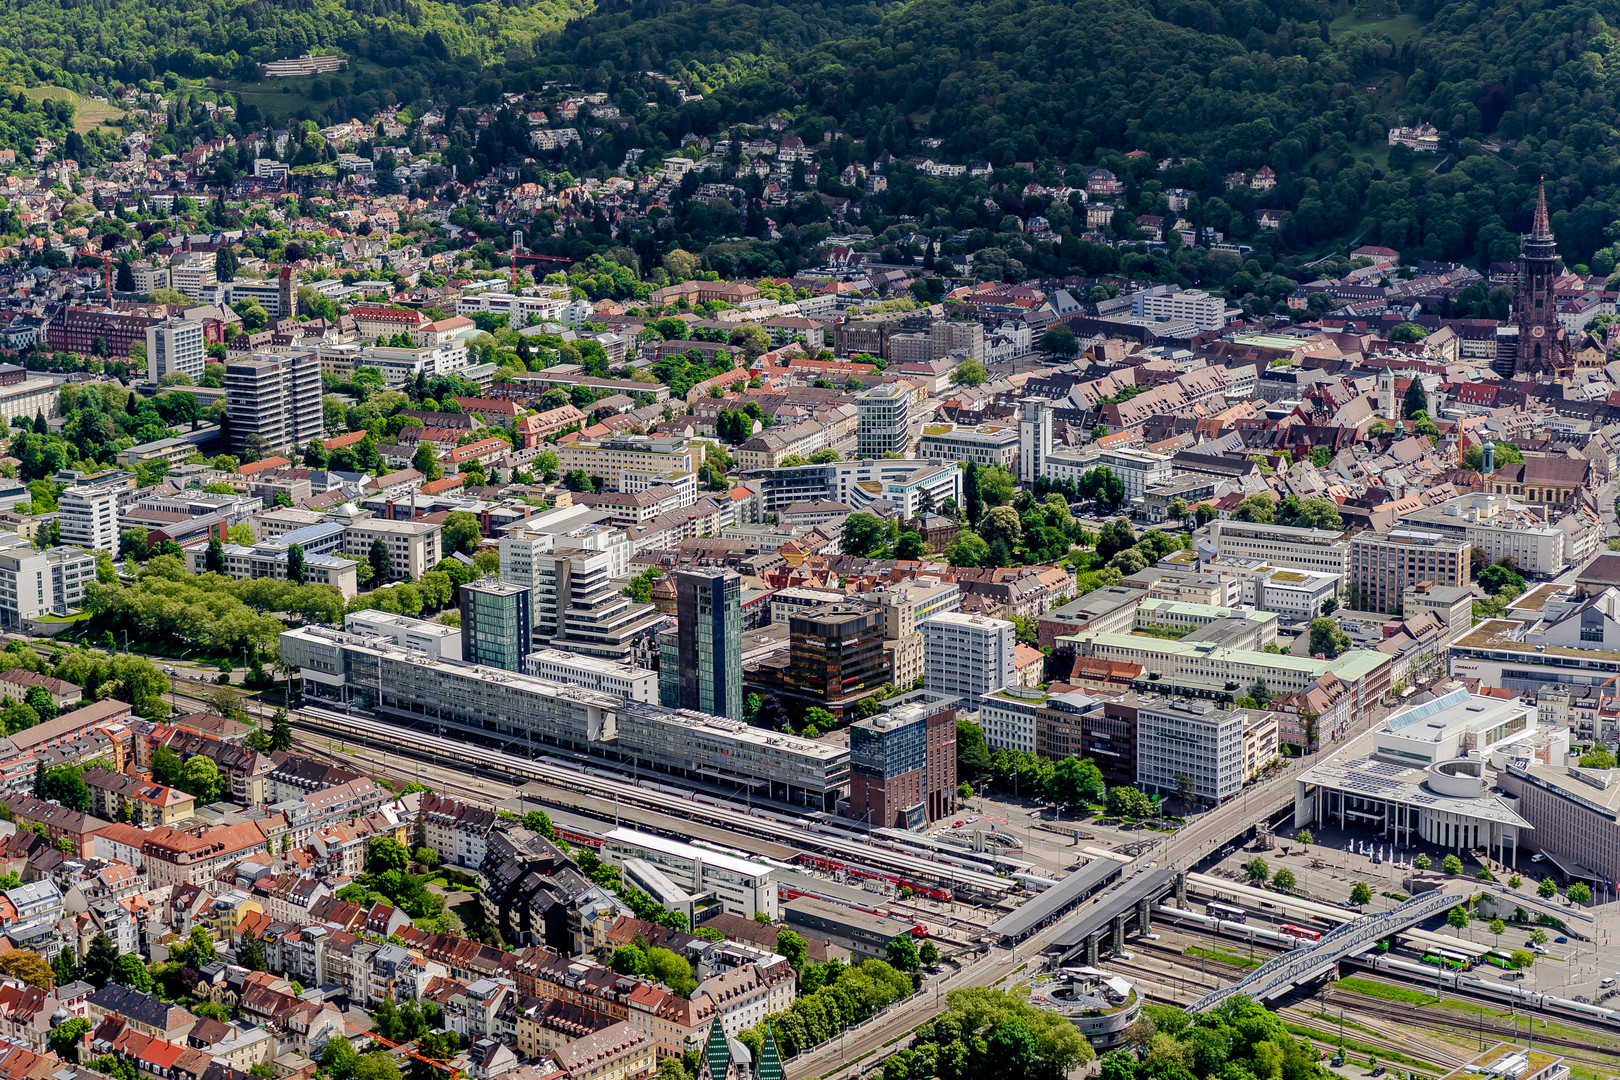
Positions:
{"x": 1519, "y": 88}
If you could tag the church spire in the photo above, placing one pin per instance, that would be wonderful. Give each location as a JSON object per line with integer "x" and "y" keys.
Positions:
{"x": 1541, "y": 228}
{"x": 715, "y": 1060}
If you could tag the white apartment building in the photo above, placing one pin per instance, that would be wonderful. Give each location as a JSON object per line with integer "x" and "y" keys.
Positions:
{"x": 267, "y": 293}
{"x": 968, "y": 655}
{"x": 427, "y": 635}
{"x": 175, "y": 345}
{"x": 1034, "y": 438}
{"x": 89, "y": 517}
{"x": 884, "y": 424}
{"x": 1182, "y": 737}
{"x": 1282, "y": 545}
{"x": 594, "y": 673}
{"x": 149, "y": 278}
{"x": 743, "y": 887}
{"x": 1007, "y": 718}
{"x": 193, "y": 275}
{"x": 1206, "y": 311}
{"x": 632, "y": 462}
{"x": 35, "y": 583}
{"x": 275, "y": 396}
{"x": 1293, "y": 594}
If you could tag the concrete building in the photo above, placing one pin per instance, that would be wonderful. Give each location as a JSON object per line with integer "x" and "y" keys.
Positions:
{"x": 413, "y": 546}
{"x": 908, "y": 484}
{"x": 495, "y": 623}
{"x": 986, "y": 444}
{"x": 1008, "y": 718}
{"x": 1282, "y": 545}
{"x": 35, "y": 583}
{"x": 1138, "y": 470}
{"x": 604, "y": 676}
{"x": 175, "y": 345}
{"x": 88, "y": 516}
{"x": 835, "y": 659}
{"x": 272, "y": 559}
{"x": 1453, "y": 606}
{"x": 277, "y": 397}
{"x": 1383, "y": 566}
{"x": 1184, "y": 745}
{"x": 902, "y": 764}
{"x": 1034, "y": 438}
{"x": 1502, "y": 527}
{"x": 703, "y": 669}
{"x": 866, "y": 935}
{"x": 632, "y": 462}
{"x": 1205, "y": 311}
{"x": 884, "y": 425}
{"x": 1431, "y": 777}
{"x": 577, "y": 606}
{"x": 968, "y": 656}
{"x": 742, "y": 886}
{"x": 427, "y": 635}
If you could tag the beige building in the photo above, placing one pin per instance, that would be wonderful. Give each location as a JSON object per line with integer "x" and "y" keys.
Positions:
{"x": 1384, "y": 566}
{"x": 413, "y": 546}
{"x": 632, "y": 462}
{"x": 620, "y": 1052}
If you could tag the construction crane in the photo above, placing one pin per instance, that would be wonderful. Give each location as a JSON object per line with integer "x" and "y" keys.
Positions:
{"x": 106, "y": 268}
{"x": 451, "y": 1072}
{"x": 517, "y": 242}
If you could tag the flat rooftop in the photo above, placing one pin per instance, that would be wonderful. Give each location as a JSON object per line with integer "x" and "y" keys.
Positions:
{"x": 733, "y": 863}
{"x": 1497, "y": 635}
{"x": 1135, "y": 889}
{"x": 1057, "y": 899}
{"x": 1393, "y": 782}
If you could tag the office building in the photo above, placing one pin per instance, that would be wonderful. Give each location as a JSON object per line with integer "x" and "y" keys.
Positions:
{"x": 968, "y": 656}
{"x": 902, "y": 763}
{"x": 272, "y": 559}
{"x": 985, "y": 444}
{"x": 175, "y": 345}
{"x": 718, "y": 750}
{"x": 707, "y": 673}
{"x": 1219, "y": 673}
{"x": 495, "y": 624}
{"x": 277, "y": 397}
{"x": 88, "y": 516}
{"x": 1034, "y": 438}
{"x": 1008, "y": 716}
{"x": 742, "y": 886}
{"x": 1453, "y": 606}
{"x": 1185, "y": 745}
{"x": 1503, "y": 528}
{"x": 35, "y": 583}
{"x": 577, "y": 607}
{"x": 1383, "y": 566}
{"x": 413, "y": 546}
{"x": 593, "y": 673}
{"x": 632, "y": 462}
{"x": 1138, "y": 470}
{"x": 1317, "y": 550}
{"x": 884, "y": 424}
{"x": 835, "y": 658}
{"x": 912, "y": 485}
{"x": 1205, "y": 311}
{"x": 426, "y": 635}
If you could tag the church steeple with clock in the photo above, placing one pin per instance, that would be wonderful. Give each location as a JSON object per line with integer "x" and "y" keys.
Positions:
{"x": 1544, "y": 349}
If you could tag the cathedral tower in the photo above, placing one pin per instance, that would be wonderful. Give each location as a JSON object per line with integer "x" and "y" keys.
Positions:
{"x": 1544, "y": 349}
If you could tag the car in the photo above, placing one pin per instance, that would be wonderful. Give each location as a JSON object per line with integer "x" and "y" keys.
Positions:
{"x": 1542, "y": 949}
{"x": 1609, "y": 981}
{"x": 1378, "y": 1071}
{"x": 1561, "y": 939}
{"x": 1538, "y": 857}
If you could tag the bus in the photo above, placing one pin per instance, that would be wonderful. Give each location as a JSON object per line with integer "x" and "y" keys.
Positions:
{"x": 1300, "y": 932}
{"x": 1226, "y": 911}
{"x": 1500, "y": 957}
{"x": 1455, "y": 960}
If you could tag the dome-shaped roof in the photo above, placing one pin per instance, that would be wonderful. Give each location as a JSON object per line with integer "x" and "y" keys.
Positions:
{"x": 60, "y": 1017}
{"x": 348, "y": 509}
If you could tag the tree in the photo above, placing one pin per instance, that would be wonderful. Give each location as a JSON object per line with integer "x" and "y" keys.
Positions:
{"x": 33, "y": 969}
{"x": 1059, "y": 340}
{"x": 254, "y": 317}
{"x": 911, "y": 548}
{"x": 1521, "y": 958}
{"x": 1458, "y": 919}
{"x": 130, "y": 970}
{"x": 1260, "y": 692}
{"x": 1258, "y": 870}
{"x": 1259, "y": 509}
{"x": 1422, "y": 862}
{"x": 382, "y": 564}
{"x": 1102, "y": 485}
{"x": 67, "y": 1039}
{"x": 1305, "y": 837}
{"x": 1547, "y": 889}
{"x": 295, "y": 564}
{"x": 1579, "y": 893}
{"x": 214, "y": 557}
{"x": 165, "y": 765}
{"x": 863, "y": 535}
{"x": 1360, "y": 895}
{"x": 1539, "y": 936}
{"x": 1114, "y": 537}
{"x": 967, "y": 550}
{"x": 200, "y": 778}
{"x": 969, "y": 373}
{"x": 280, "y": 731}
{"x": 972, "y": 501}
{"x": 901, "y": 953}
{"x": 1416, "y": 400}
{"x": 1076, "y": 782}
{"x": 99, "y": 958}
{"x": 1407, "y": 333}
{"x": 1001, "y": 525}
{"x": 793, "y": 948}
{"x": 1284, "y": 880}
{"x": 1498, "y": 928}
{"x": 1327, "y": 640}
{"x": 461, "y": 532}
{"x": 1597, "y": 758}
{"x": 1451, "y": 865}
{"x": 385, "y": 854}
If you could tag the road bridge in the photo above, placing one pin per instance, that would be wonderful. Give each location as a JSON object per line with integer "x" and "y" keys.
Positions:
{"x": 1300, "y": 966}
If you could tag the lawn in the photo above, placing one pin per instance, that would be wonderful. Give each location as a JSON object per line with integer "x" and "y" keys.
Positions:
{"x": 1397, "y": 29}
{"x": 282, "y": 97}
{"x": 1222, "y": 957}
{"x": 87, "y": 112}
